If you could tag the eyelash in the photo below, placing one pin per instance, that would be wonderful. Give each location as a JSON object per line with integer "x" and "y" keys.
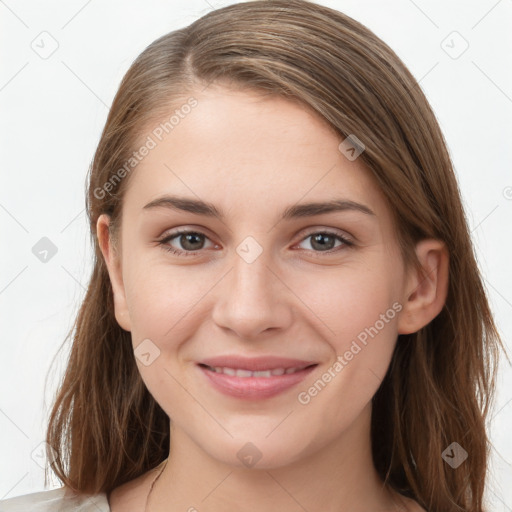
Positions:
{"x": 164, "y": 242}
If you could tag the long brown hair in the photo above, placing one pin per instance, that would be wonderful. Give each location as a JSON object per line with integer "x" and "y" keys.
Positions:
{"x": 107, "y": 429}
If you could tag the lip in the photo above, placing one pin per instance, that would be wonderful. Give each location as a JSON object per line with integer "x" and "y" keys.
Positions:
{"x": 255, "y": 388}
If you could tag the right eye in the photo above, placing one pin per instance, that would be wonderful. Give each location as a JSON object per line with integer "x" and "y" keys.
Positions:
{"x": 190, "y": 242}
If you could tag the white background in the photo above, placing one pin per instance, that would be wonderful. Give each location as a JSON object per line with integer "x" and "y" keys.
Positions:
{"x": 53, "y": 111}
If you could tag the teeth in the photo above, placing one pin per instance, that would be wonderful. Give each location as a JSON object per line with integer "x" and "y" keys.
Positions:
{"x": 262, "y": 374}
{"x": 247, "y": 373}
{"x": 243, "y": 373}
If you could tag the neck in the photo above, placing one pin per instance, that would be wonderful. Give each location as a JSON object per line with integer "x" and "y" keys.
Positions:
{"x": 339, "y": 476}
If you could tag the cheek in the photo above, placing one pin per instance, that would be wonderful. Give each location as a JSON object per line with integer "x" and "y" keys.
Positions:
{"x": 160, "y": 302}
{"x": 351, "y": 300}
{"x": 160, "y": 297}
{"x": 360, "y": 309}
{"x": 364, "y": 321}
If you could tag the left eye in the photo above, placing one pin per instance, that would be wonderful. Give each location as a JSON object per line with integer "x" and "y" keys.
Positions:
{"x": 323, "y": 241}
{"x": 193, "y": 241}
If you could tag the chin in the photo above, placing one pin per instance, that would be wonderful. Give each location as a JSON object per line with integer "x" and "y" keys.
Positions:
{"x": 257, "y": 452}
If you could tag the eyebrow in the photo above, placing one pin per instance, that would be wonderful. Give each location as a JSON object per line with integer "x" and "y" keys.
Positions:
{"x": 200, "y": 207}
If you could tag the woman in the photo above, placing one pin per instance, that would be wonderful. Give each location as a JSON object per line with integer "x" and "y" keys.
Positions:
{"x": 285, "y": 312}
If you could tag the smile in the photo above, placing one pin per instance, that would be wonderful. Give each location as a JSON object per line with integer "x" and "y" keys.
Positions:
{"x": 247, "y": 373}
{"x": 258, "y": 384}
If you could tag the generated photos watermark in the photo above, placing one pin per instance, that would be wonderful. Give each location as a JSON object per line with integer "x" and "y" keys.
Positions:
{"x": 151, "y": 142}
{"x": 305, "y": 397}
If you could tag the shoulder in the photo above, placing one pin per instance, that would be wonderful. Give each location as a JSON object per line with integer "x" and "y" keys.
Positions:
{"x": 56, "y": 500}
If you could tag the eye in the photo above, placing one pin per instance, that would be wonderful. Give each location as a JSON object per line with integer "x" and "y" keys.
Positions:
{"x": 325, "y": 241}
{"x": 190, "y": 242}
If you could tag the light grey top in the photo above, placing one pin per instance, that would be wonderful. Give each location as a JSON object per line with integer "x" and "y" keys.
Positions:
{"x": 56, "y": 500}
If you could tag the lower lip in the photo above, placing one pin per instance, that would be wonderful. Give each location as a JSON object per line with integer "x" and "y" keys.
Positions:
{"x": 254, "y": 388}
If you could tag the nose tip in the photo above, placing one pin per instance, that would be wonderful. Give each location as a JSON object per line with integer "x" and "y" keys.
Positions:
{"x": 252, "y": 299}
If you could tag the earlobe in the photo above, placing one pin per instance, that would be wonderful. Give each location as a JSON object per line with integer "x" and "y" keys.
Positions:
{"x": 426, "y": 290}
{"x": 113, "y": 263}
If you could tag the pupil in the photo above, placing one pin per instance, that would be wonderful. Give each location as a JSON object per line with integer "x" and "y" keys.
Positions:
{"x": 317, "y": 239}
{"x": 189, "y": 239}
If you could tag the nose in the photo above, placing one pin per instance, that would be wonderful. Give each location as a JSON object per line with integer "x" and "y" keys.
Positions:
{"x": 252, "y": 299}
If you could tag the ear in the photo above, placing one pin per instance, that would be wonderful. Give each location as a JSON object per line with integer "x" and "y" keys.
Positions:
{"x": 425, "y": 293}
{"x": 113, "y": 262}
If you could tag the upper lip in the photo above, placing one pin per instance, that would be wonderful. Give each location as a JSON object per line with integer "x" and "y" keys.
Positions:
{"x": 255, "y": 363}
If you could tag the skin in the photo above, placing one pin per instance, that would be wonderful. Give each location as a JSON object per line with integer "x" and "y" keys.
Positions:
{"x": 252, "y": 157}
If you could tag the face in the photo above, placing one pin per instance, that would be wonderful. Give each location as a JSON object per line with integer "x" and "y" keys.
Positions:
{"x": 235, "y": 266}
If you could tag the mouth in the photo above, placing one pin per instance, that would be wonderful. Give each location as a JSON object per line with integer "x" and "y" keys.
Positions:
{"x": 255, "y": 378}
{"x": 239, "y": 372}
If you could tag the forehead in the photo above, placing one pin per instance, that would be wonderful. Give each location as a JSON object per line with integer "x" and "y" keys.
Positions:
{"x": 237, "y": 144}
